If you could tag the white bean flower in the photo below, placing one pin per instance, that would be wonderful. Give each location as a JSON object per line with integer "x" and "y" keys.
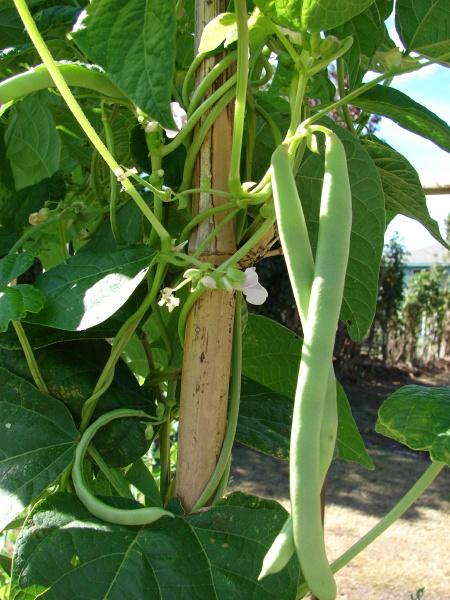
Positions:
{"x": 254, "y": 292}
{"x": 180, "y": 118}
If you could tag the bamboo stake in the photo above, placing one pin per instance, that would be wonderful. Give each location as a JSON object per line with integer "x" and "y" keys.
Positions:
{"x": 209, "y": 327}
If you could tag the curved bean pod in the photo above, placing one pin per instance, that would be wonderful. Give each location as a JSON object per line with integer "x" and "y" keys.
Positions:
{"x": 119, "y": 516}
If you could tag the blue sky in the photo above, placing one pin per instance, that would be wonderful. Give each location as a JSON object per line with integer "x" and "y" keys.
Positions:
{"x": 430, "y": 87}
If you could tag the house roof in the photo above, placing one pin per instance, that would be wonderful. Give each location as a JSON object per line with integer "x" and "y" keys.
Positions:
{"x": 429, "y": 256}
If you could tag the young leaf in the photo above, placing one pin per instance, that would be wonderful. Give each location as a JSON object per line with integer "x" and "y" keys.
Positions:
{"x": 89, "y": 288}
{"x": 36, "y": 444}
{"x": 402, "y": 189}
{"x": 33, "y": 145}
{"x": 418, "y": 417}
{"x": 217, "y": 31}
{"x": 407, "y": 113}
{"x": 143, "y": 66}
{"x": 366, "y": 245}
{"x": 424, "y": 26}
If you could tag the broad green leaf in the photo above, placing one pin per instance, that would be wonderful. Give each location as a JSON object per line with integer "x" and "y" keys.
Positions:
{"x": 89, "y": 288}
{"x": 36, "y": 444}
{"x": 424, "y": 26}
{"x": 143, "y": 66}
{"x": 217, "y": 31}
{"x": 312, "y": 15}
{"x": 235, "y": 534}
{"x": 407, "y": 113}
{"x": 33, "y": 145}
{"x": 71, "y": 371}
{"x": 13, "y": 265}
{"x": 403, "y": 192}
{"x": 270, "y": 361}
{"x": 271, "y": 355}
{"x": 56, "y": 20}
{"x": 139, "y": 476}
{"x": 366, "y": 245}
{"x": 418, "y": 417}
{"x": 265, "y": 424}
{"x": 350, "y": 445}
{"x": 264, "y": 419}
{"x": 213, "y": 555}
{"x": 11, "y": 27}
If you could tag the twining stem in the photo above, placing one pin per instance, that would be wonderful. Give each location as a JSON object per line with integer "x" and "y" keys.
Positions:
{"x": 195, "y": 117}
{"x": 113, "y": 185}
{"x": 83, "y": 121}
{"x": 209, "y": 79}
{"x": 214, "y": 232}
{"x": 121, "y": 340}
{"x": 233, "y": 410}
{"x": 29, "y": 357}
{"x": 200, "y": 136}
{"x": 164, "y": 455}
{"x": 341, "y": 87}
{"x": 205, "y": 214}
{"x": 189, "y": 78}
{"x": 395, "y": 513}
{"x": 234, "y": 178}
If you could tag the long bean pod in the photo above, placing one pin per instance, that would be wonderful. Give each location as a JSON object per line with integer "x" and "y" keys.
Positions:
{"x": 300, "y": 265}
{"x": 319, "y": 334}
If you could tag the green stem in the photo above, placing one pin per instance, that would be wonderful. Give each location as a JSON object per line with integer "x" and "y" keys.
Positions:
{"x": 297, "y": 103}
{"x": 209, "y": 79}
{"x": 276, "y": 133}
{"x": 214, "y": 232}
{"x": 121, "y": 340}
{"x": 200, "y": 136}
{"x": 156, "y": 311}
{"x": 249, "y": 244}
{"x": 117, "y": 482}
{"x": 164, "y": 456}
{"x": 408, "y": 499}
{"x": 268, "y": 72}
{"x": 84, "y": 123}
{"x": 197, "y": 115}
{"x": 234, "y": 177}
{"x": 341, "y": 88}
{"x": 39, "y": 78}
{"x": 205, "y": 214}
{"x": 32, "y": 231}
{"x": 190, "y": 75}
{"x": 158, "y": 207}
{"x": 233, "y": 411}
{"x": 113, "y": 186}
{"x": 284, "y": 41}
{"x": 29, "y": 357}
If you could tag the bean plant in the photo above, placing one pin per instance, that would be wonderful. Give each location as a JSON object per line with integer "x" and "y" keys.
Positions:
{"x": 112, "y": 246}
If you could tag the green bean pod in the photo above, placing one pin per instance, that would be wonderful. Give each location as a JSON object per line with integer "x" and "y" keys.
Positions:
{"x": 319, "y": 335}
{"x": 300, "y": 264}
{"x": 119, "y": 516}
